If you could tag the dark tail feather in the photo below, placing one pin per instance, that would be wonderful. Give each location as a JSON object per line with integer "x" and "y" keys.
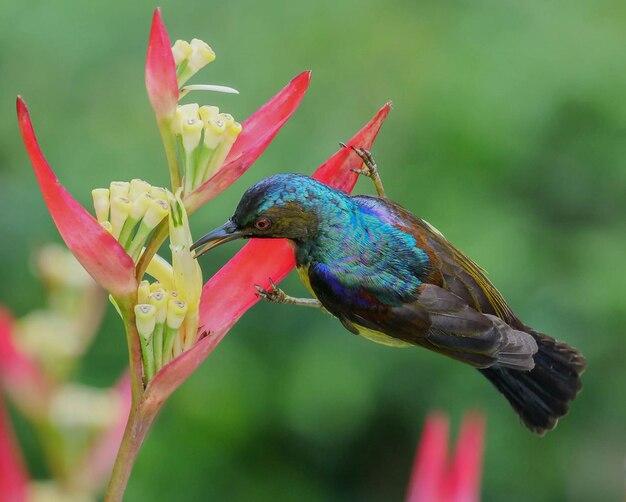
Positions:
{"x": 541, "y": 396}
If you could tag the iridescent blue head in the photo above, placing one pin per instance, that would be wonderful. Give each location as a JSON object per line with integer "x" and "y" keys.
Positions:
{"x": 281, "y": 206}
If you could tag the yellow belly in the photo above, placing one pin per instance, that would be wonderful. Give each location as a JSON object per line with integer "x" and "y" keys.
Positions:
{"x": 378, "y": 337}
{"x": 374, "y": 336}
{"x": 303, "y": 272}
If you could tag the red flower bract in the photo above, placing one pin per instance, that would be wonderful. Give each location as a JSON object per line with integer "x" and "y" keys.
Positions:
{"x": 95, "y": 248}
{"x": 161, "y": 70}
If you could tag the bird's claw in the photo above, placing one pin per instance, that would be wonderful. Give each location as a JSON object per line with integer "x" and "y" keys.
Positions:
{"x": 370, "y": 170}
{"x": 363, "y": 172}
{"x": 274, "y": 294}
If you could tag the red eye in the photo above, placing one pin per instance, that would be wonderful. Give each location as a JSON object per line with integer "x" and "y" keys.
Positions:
{"x": 263, "y": 223}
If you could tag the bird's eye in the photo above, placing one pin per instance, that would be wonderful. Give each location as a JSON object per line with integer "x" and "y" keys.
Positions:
{"x": 263, "y": 223}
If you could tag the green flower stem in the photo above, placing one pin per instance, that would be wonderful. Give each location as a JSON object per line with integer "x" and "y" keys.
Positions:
{"x": 137, "y": 243}
{"x": 147, "y": 356}
{"x": 203, "y": 165}
{"x": 191, "y": 168}
{"x": 168, "y": 343}
{"x": 125, "y": 235}
{"x": 157, "y": 343}
{"x": 169, "y": 143}
{"x": 182, "y": 67}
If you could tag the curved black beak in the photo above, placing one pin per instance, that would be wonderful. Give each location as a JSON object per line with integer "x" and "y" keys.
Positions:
{"x": 227, "y": 232}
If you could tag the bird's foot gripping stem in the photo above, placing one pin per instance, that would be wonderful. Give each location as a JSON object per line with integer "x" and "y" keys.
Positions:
{"x": 370, "y": 169}
{"x": 276, "y": 295}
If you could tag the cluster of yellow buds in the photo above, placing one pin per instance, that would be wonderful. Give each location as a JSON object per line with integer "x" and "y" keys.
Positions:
{"x": 166, "y": 312}
{"x": 160, "y": 316}
{"x": 130, "y": 211}
{"x": 191, "y": 57}
{"x": 204, "y": 135}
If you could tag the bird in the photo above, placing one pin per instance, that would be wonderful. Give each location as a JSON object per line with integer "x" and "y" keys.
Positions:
{"x": 393, "y": 278}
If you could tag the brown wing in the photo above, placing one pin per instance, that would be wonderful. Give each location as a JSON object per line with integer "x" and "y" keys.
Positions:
{"x": 451, "y": 269}
{"x": 441, "y": 321}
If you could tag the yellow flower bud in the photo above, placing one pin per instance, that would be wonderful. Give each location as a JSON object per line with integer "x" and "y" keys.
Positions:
{"x": 159, "y": 193}
{"x": 137, "y": 188}
{"x": 207, "y": 112}
{"x": 181, "y": 51}
{"x": 101, "y": 203}
{"x": 201, "y": 56}
{"x": 176, "y": 310}
{"x": 183, "y": 114}
{"x": 156, "y": 212}
{"x": 159, "y": 300}
{"x": 120, "y": 209}
{"x": 119, "y": 189}
{"x": 143, "y": 292}
{"x": 140, "y": 206}
{"x": 145, "y": 318}
{"x": 191, "y": 134}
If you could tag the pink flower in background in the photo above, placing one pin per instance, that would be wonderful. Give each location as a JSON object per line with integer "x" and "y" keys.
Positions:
{"x": 32, "y": 391}
{"x": 434, "y": 477}
{"x": 20, "y": 375}
{"x": 13, "y": 476}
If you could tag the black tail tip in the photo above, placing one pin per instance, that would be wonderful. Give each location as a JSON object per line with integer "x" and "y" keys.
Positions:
{"x": 543, "y": 395}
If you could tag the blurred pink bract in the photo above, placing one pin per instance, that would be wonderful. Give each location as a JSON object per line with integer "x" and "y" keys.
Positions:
{"x": 434, "y": 478}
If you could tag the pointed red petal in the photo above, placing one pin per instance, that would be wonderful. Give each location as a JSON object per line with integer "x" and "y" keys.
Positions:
{"x": 96, "y": 249}
{"x": 429, "y": 468}
{"x": 20, "y": 376}
{"x": 13, "y": 476}
{"x": 161, "y": 80}
{"x": 258, "y": 132}
{"x": 176, "y": 372}
{"x": 463, "y": 484}
{"x": 230, "y": 292}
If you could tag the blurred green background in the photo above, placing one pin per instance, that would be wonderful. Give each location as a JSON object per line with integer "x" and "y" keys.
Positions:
{"x": 508, "y": 133}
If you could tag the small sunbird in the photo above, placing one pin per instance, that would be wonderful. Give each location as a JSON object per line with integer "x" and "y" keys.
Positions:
{"x": 393, "y": 278}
